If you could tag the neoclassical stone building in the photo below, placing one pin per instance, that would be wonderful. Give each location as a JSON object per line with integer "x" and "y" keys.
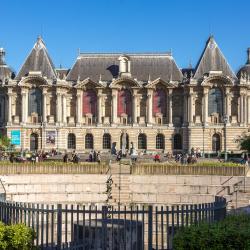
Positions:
{"x": 146, "y": 96}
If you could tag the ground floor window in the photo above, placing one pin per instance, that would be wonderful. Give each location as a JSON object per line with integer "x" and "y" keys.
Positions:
{"x": 142, "y": 141}
{"x": 106, "y": 141}
{"x": 160, "y": 141}
{"x": 71, "y": 141}
{"x": 89, "y": 141}
{"x": 177, "y": 141}
{"x": 33, "y": 142}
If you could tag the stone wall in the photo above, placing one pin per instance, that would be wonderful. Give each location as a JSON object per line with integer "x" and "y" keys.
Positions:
{"x": 90, "y": 189}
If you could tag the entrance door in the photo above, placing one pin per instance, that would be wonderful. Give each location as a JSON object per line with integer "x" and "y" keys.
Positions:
{"x": 216, "y": 143}
{"x": 33, "y": 142}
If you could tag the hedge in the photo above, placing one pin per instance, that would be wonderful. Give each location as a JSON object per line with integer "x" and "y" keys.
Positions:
{"x": 231, "y": 233}
{"x": 16, "y": 236}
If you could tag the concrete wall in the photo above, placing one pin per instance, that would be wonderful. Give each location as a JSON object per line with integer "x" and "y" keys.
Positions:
{"x": 90, "y": 189}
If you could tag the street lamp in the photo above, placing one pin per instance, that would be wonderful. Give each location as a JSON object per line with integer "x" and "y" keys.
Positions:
{"x": 225, "y": 119}
{"x": 203, "y": 146}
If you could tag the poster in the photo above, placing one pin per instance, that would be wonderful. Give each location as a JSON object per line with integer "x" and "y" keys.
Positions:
{"x": 51, "y": 137}
{"x": 16, "y": 137}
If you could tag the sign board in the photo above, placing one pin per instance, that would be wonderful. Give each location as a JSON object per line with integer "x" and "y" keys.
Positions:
{"x": 51, "y": 137}
{"x": 16, "y": 137}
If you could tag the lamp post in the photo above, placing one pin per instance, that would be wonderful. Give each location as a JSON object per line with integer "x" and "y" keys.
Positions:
{"x": 225, "y": 119}
{"x": 203, "y": 146}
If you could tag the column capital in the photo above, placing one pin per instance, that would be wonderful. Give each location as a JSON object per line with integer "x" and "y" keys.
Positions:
{"x": 170, "y": 91}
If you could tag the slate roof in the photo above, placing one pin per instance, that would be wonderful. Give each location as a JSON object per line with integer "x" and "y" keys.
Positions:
{"x": 62, "y": 73}
{"x": 212, "y": 59}
{"x": 5, "y": 70}
{"x": 142, "y": 65}
{"x": 246, "y": 67}
{"x": 38, "y": 60}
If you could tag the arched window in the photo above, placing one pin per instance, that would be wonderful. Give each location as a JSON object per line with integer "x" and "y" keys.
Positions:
{"x": 216, "y": 144}
{"x": 177, "y": 141}
{"x": 215, "y": 101}
{"x": 71, "y": 141}
{"x": 160, "y": 141}
{"x": 159, "y": 102}
{"x": 124, "y": 102}
{"x": 142, "y": 141}
{"x": 35, "y": 101}
{"x": 125, "y": 140}
{"x": 33, "y": 142}
{"x": 106, "y": 141}
{"x": 89, "y": 102}
{"x": 89, "y": 141}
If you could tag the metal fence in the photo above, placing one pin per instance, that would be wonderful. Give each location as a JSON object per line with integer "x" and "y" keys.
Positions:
{"x": 134, "y": 227}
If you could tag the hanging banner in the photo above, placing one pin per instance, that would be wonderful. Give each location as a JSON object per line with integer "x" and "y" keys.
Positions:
{"x": 16, "y": 137}
{"x": 51, "y": 137}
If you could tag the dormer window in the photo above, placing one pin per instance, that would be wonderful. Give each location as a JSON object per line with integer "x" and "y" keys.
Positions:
{"x": 124, "y": 66}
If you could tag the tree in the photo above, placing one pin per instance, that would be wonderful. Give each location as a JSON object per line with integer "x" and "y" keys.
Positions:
{"x": 5, "y": 142}
{"x": 244, "y": 142}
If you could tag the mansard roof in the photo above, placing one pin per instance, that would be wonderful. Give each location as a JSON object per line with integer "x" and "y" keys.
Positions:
{"x": 38, "y": 60}
{"x": 143, "y": 66}
{"x": 212, "y": 59}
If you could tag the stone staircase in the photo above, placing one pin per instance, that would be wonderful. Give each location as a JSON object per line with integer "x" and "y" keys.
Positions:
{"x": 239, "y": 197}
{"x": 120, "y": 187}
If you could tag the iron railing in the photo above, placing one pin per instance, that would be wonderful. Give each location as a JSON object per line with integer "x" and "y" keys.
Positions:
{"x": 134, "y": 227}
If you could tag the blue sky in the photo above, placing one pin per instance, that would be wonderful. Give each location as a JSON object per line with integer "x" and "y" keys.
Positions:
{"x": 124, "y": 26}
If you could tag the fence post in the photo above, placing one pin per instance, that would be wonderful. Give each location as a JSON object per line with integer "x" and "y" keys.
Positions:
{"x": 59, "y": 226}
{"x": 104, "y": 227}
{"x": 150, "y": 227}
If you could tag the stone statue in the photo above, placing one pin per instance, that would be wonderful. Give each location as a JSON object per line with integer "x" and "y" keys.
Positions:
{"x": 124, "y": 143}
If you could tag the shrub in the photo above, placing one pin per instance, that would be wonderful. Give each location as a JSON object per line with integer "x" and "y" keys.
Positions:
{"x": 16, "y": 236}
{"x": 231, "y": 233}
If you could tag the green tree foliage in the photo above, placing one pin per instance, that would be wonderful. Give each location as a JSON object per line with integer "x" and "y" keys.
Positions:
{"x": 16, "y": 237}
{"x": 244, "y": 143}
{"x": 5, "y": 142}
{"x": 231, "y": 233}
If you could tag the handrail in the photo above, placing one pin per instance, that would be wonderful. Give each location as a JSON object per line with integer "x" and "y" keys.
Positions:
{"x": 3, "y": 187}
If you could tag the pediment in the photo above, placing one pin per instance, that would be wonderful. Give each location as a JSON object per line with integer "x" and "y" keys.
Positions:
{"x": 128, "y": 80}
{"x": 88, "y": 81}
{"x": 154, "y": 83}
{"x": 33, "y": 81}
{"x": 217, "y": 80}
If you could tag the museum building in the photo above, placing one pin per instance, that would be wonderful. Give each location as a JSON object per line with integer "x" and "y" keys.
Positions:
{"x": 146, "y": 96}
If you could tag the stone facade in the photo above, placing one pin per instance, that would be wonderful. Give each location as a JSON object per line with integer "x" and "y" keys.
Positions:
{"x": 158, "y": 105}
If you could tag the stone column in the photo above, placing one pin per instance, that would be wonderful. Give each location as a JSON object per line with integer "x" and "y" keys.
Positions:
{"x": 185, "y": 110}
{"x": 248, "y": 109}
{"x": 228, "y": 106}
{"x": 10, "y": 106}
{"x": 170, "y": 107}
{"x": 99, "y": 111}
{"x": 64, "y": 111}
{"x": 241, "y": 108}
{"x": 190, "y": 107}
{"x": 150, "y": 106}
{"x": 114, "y": 106}
{"x": 24, "y": 107}
{"x": 205, "y": 106}
{"x": 58, "y": 107}
{"x": 44, "y": 105}
{"x": 79, "y": 107}
{"x": 134, "y": 105}
{"x": 245, "y": 109}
